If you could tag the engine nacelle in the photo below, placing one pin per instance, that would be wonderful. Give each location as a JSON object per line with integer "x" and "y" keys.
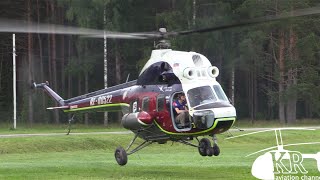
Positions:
{"x": 213, "y": 71}
{"x": 138, "y": 120}
{"x": 189, "y": 73}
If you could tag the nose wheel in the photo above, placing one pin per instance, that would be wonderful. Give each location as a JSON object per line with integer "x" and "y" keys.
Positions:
{"x": 205, "y": 148}
{"x": 216, "y": 149}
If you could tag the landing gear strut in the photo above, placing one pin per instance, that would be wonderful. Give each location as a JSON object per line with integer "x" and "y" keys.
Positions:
{"x": 121, "y": 155}
{"x": 216, "y": 149}
{"x": 205, "y": 148}
{"x": 69, "y": 124}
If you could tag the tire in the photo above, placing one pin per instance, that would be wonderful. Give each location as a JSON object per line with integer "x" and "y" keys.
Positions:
{"x": 216, "y": 150}
{"x": 121, "y": 156}
{"x": 203, "y": 146}
{"x": 210, "y": 151}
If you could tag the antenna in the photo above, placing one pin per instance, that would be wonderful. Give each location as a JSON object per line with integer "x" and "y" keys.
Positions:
{"x": 128, "y": 78}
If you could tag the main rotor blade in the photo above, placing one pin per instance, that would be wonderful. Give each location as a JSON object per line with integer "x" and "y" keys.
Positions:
{"x": 18, "y": 26}
{"x": 292, "y": 14}
{"x": 135, "y": 35}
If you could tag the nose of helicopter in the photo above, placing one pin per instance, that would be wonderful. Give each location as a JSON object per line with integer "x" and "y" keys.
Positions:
{"x": 212, "y": 119}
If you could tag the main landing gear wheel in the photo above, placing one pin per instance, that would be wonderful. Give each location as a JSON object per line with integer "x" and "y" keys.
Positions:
{"x": 210, "y": 151}
{"x": 121, "y": 156}
{"x": 216, "y": 150}
{"x": 205, "y": 148}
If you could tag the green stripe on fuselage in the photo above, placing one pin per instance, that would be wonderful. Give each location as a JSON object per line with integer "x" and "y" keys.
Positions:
{"x": 201, "y": 132}
{"x": 102, "y": 108}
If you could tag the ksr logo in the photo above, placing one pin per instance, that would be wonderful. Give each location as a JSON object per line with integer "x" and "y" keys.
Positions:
{"x": 282, "y": 164}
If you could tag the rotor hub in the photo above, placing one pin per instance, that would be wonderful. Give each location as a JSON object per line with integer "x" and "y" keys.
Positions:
{"x": 163, "y": 43}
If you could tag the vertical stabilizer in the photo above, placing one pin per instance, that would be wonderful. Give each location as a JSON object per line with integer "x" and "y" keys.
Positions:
{"x": 54, "y": 95}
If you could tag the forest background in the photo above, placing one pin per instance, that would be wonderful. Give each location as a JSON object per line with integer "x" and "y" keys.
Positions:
{"x": 269, "y": 71}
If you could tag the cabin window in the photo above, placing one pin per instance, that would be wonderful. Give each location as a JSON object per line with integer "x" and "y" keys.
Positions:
{"x": 145, "y": 104}
{"x": 160, "y": 102}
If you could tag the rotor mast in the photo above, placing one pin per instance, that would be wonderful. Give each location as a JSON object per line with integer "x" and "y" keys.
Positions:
{"x": 163, "y": 43}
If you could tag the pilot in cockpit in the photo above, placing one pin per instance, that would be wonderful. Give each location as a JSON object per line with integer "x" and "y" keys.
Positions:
{"x": 180, "y": 107}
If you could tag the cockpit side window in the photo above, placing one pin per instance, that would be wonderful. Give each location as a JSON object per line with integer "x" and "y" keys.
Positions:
{"x": 220, "y": 93}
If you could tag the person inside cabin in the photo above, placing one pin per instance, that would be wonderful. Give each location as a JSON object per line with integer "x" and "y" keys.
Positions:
{"x": 180, "y": 106}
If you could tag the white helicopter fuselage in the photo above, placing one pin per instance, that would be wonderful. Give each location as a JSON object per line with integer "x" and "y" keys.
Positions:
{"x": 197, "y": 75}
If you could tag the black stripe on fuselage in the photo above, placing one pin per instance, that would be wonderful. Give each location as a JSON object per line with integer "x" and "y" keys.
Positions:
{"x": 102, "y": 91}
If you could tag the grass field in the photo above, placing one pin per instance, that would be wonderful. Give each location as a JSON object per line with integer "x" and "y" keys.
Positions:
{"x": 22, "y": 128}
{"x": 92, "y": 157}
{"x": 61, "y": 128}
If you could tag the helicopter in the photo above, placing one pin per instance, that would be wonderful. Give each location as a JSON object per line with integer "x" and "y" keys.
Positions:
{"x": 148, "y": 102}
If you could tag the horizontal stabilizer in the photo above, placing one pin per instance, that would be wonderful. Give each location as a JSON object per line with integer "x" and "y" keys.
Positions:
{"x": 58, "y": 107}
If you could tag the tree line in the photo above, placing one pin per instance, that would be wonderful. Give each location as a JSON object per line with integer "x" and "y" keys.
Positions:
{"x": 269, "y": 71}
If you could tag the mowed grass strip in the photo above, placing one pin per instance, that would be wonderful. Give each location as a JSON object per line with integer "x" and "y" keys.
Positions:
{"x": 92, "y": 157}
{"x": 22, "y": 128}
{"x": 6, "y": 128}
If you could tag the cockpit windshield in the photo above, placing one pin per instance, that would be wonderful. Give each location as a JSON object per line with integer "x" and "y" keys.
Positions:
{"x": 201, "y": 95}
